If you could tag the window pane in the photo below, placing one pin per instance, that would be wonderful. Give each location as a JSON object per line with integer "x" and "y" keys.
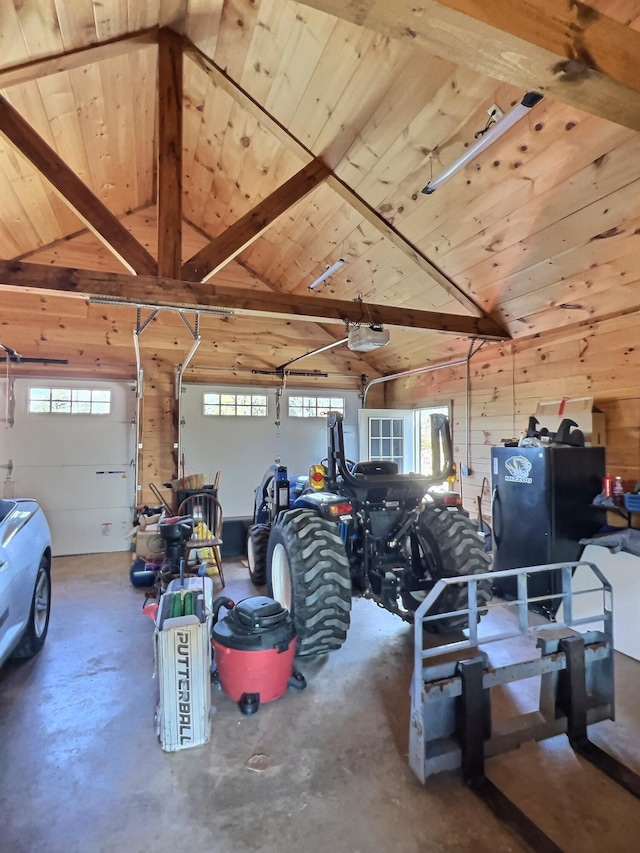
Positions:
{"x": 386, "y": 447}
{"x": 260, "y": 411}
{"x": 101, "y": 408}
{"x": 295, "y": 401}
{"x": 324, "y": 403}
{"x": 397, "y": 447}
{"x": 60, "y": 394}
{"x": 227, "y": 409}
{"x": 295, "y": 411}
{"x": 60, "y": 406}
{"x": 374, "y": 426}
{"x": 243, "y": 410}
{"x": 375, "y": 448}
{"x": 40, "y": 393}
{"x": 39, "y": 406}
{"x": 81, "y": 394}
{"x": 228, "y": 399}
{"x": 81, "y": 407}
{"x": 386, "y": 428}
{"x": 102, "y": 396}
{"x": 397, "y": 427}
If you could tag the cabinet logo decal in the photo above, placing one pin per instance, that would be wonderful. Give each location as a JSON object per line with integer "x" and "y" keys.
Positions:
{"x": 518, "y": 468}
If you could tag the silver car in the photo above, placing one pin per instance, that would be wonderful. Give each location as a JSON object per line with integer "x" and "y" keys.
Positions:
{"x": 25, "y": 578}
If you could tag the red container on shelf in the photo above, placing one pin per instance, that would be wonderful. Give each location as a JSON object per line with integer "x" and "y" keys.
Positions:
{"x": 607, "y": 485}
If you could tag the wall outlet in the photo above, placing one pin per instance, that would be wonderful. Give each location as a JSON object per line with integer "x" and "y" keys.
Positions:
{"x": 465, "y": 471}
{"x": 495, "y": 112}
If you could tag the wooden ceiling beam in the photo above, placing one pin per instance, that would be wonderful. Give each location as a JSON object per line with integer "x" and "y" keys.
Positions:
{"x": 567, "y": 50}
{"x": 223, "y": 249}
{"x": 28, "y": 71}
{"x": 243, "y": 99}
{"x": 147, "y": 289}
{"x": 169, "y": 189}
{"x": 96, "y": 216}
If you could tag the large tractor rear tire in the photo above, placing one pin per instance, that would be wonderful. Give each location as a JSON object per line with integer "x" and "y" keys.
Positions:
{"x": 308, "y": 573}
{"x": 257, "y": 542}
{"x": 449, "y": 546}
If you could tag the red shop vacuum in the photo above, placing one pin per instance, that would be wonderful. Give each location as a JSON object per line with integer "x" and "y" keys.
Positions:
{"x": 254, "y": 646}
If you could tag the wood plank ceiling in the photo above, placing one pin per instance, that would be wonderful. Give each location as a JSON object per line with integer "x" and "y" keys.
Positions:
{"x": 226, "y": 152}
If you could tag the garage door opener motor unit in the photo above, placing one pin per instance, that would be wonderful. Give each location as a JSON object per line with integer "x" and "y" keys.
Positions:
{"x": 254, "y": 646}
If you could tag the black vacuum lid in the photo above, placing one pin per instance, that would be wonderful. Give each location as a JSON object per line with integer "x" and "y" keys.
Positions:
{"x": 257, "y": 623}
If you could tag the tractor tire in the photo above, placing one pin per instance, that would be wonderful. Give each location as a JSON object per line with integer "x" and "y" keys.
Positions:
{"x": 257, "y": 541}
{"x": 450, "y": 546}
{"x": 308, "y": 573}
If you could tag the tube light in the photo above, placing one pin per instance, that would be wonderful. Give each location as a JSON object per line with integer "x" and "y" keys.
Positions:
{"x": 495, "y": 132}
{"x": 325, "y": 275}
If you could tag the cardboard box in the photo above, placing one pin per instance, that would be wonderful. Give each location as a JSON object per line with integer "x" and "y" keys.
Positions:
{"x": 590, "y": 419}
{"x": 183, "y": 659}
{"x": 149, "y": 545}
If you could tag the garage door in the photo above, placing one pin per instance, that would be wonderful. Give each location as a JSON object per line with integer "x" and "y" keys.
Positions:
{"x": 71, "y": 445}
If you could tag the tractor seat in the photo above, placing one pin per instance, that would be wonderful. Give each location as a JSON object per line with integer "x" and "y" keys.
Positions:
{"x": 372, "y": 467}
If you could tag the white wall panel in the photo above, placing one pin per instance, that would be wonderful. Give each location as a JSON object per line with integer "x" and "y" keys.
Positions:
{"x": 242, "y": 448}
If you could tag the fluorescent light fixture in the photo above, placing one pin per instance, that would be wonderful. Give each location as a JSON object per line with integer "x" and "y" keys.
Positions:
{"x": 495, "y": 132}
{"x": 325, "y": 275}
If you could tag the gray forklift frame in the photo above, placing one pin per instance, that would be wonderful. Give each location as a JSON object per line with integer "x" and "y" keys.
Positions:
{"x": 451, "y": 725}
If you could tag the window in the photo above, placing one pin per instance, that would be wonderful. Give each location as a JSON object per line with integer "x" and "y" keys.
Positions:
{"x": 429, "y": 447}
{"x": 241, "y": 405}
{"x": 69, "y": 401}
{"x": 386, "y": 439}
{"x": 314, "y": 407}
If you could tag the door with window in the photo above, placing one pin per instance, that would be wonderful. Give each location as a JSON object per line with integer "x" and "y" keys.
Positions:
{"x": 404, "y": 436}
{"x": 388, "y": 435}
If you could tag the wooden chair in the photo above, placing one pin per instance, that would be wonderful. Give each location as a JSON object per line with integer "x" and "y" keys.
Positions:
{"x": 205, "y": 509}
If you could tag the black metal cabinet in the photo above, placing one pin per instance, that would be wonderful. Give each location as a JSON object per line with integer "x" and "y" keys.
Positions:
{"x": 541, "y": 508}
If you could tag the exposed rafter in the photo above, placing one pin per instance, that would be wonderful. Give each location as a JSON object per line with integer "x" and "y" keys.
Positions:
{"x": 28, "y": 71}
{"x": 97, "y": 217}
{"x": 569, "y": 50}
{"x": 165, "y": 291}
{"x": 219, "y": 78}
{"x": 169, "y": 153}
{"x": 248, "y": 228}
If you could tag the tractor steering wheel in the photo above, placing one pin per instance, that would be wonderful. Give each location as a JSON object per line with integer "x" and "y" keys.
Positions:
{"x": 349, "y": 463}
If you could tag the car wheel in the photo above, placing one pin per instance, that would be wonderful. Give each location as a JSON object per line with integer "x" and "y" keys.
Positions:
{"x": 38, "y": 625}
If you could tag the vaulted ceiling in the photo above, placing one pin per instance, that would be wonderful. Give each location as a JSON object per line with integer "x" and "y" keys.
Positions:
{"x": 224, "y": 153}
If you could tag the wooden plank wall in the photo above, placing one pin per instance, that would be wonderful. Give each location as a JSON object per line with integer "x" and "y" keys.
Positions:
{"x": 599, "y": 360}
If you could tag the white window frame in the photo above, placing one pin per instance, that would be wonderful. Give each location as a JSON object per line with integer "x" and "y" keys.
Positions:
{"x": 314, "y": 406}
{"x": 96, "y": 402}
{"x": 243, "y": 405}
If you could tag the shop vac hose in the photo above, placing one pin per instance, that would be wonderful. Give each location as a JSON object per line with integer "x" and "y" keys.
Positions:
{"x": 221, "y": 601}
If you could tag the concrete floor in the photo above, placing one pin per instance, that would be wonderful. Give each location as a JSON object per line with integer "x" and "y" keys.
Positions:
{"x": 83, "y": 772}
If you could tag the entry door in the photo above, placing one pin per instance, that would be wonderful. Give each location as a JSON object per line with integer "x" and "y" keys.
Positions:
{"x": 388, "y": 434}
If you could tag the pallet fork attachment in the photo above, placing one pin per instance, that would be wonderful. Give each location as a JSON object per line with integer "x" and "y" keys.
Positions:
{"x": 451, "y": 725}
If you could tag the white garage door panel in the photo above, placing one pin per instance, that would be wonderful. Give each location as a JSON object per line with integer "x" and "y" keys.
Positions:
{"x": 77, "y": 466}
{"x": 242, "y": 448}
{"x": 89, "y": 531}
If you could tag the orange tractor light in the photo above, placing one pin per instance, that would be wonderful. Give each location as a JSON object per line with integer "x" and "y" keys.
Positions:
{"x": 317, "y": 477}
{"x": 343, "y": 508}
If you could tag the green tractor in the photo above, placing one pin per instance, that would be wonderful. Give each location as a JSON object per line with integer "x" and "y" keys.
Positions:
{"x": 362, "y": 529}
